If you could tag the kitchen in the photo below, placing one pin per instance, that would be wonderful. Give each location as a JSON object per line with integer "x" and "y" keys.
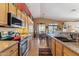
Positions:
{"x": 25, "y": 31}
{"x": 15, "y": 31}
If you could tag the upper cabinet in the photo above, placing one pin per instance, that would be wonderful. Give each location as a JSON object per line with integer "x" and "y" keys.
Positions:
{"x": 5, "y": 8}
{"x": 24, "y": 19}
{"x": 30, "y": 25}
{"x": 12, "y": 8}
{"x": 30, "y": 21}
{"x": 19, "y": 14}
{"x": 3, "y": 13}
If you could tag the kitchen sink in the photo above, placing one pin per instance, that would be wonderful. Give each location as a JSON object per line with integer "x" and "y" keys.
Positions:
{"x": 64, "y": 39}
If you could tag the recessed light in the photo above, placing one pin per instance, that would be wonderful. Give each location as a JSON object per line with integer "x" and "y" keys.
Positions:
{"x": 73, "y": 10}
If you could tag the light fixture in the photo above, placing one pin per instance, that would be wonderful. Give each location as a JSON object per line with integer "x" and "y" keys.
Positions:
{"x": 73, "y": 10}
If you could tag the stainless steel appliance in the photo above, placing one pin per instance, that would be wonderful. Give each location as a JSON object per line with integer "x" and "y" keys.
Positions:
{"x": 24, "y": 46}
{"x": 13, "y": 21}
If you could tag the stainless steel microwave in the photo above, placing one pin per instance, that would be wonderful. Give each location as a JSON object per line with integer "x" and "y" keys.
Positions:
{"x": 14, "y": 21}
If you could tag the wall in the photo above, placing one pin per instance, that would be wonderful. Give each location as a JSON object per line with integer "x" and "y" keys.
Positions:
{"x": 46, "y": 22}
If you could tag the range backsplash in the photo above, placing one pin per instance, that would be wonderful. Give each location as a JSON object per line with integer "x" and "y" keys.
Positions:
{"x": 7, "y": 29}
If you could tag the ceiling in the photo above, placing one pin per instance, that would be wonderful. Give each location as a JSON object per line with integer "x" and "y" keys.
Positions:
{"x": 55, "y": 11}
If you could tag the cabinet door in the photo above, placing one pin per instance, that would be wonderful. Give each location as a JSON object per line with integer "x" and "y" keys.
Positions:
{"x": 26, "y": 23}
{"x": 19, "y": 14}
{"x": 29, "y": 20}
{"x": 12, "y": 8}
{"x": 3, "y": 13}
{"x": 6, "y": 12}
{"x": 24, "y": 19}
{"x": 49, "y": 41}
{"x": 53, "y": 47}
{"x": 15, "y": 53}
{"x": 68, "y": 52}
{"x": 59, "y": 50}
{"x": 12, "y": 51}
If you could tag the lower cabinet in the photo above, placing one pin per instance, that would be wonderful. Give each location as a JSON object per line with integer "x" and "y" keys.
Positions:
{"x": 68, "y": 52}
{"x": 53, "y": 47}
{"x": 59, "y": 49}
{"x": 12, "y": 51}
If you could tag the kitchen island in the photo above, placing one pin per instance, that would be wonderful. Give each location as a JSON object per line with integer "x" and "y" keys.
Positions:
{"x": 60, "y": 48}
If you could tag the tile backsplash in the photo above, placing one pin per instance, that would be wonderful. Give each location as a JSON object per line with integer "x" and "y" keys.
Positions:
{"x": 7, "y": 29}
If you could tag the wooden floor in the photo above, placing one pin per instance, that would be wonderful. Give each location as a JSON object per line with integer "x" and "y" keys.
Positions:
{"x": 35, "y": 45}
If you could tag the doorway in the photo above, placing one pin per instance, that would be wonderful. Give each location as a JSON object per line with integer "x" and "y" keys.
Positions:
{"x": 41, "y": 28}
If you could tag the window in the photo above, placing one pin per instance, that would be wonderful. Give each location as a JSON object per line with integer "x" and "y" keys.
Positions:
{"x": 41, "y": 28}
{"x": 52, "y": 28}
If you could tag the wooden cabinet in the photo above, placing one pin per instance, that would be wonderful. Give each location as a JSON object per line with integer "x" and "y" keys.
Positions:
{"x": 12, "y": 8}
{"x": 30, "y": 25}
{"x": 24, "y": 19}
{"x": 12, "y": 51}
{"x": 26, "y": 23}
{"x": 53, "y": 47}
{"x": 23, "y": 16}
{"x": 3, "y": 13}
{"x": 19, "y": 14}
{"x": 56, "y": 48}
{"x": 29, "y": 20}
{"x": 59, "y": 49}
{"x": 49, "y": 43}
{"x": 68, "y": 52}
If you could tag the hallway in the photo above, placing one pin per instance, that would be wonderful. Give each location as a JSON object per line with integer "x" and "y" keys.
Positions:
{"x": 37, "y": 47}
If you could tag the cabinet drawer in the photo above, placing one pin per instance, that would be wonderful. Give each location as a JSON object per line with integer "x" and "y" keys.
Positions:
{"x": 10, "y": 51}
{"x": 68, "y": 52}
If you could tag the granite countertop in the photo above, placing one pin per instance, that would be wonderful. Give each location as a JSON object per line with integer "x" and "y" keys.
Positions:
{"x": 74, "y": 46}
{"x": 24, "y": 36}
{"x": 6, "y": 44}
